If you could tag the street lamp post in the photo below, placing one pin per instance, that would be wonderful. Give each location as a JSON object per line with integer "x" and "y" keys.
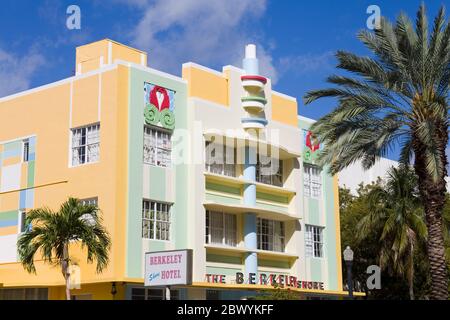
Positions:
{"x": 113, "y": 290}
{"x": 348, "y": 258}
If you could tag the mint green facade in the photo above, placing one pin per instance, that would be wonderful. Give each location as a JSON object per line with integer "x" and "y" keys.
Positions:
{"x": 323, "y": 215}
{"x": 136, "y": 246}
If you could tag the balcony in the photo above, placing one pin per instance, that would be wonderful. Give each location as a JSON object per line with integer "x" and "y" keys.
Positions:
{"x": 264, "y": 213}
{"x": 253, "y": 104}
{"x": 239, "y": 250}
{"x": 253, "y": 123}
{"x": 242, "y": 139}
{"x": 253, "y": 83}
{"x": 260, "y": 187}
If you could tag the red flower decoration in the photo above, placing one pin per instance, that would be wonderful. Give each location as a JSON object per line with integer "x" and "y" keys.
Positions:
{"x": 309, "y": 144}
{"x": 159, "y": 98}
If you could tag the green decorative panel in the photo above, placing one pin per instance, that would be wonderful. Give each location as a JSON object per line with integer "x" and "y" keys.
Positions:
{"x": 222, "y": 199}
{"x": 222, "y": 270}
{"x": 311, "y": 148}
{"x": 271, "y": 206}
{"x": 222, "y": 188}
{"x": 159, "y": 106}
{"x": 223, "y": 259}
{"x": 167, "y": 119}
{"x": 272, "y": 197}
{"x": 151, "y": 115}
{"x": 273, "y": 264}
{"x": 30, "y": 177}
{"x": 8, "y": 215}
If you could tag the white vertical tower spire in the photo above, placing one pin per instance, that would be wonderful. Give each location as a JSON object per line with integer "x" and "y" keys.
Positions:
{"x": 250, "y": 62}
{"x": 254, "y": 100}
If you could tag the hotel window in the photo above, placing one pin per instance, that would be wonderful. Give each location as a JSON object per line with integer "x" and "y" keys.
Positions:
{"x": 221, "y": 228}
{"x": 314, "y": 241}
{"x": 312, "y": 181}
{"x": 85, "y": 144}
{"x": 220, "y": 159}
{"x": 23, "y": 227}
{"x": 24, "y": 294}
{"x": 89, "y": 201}
{"x": 157, "y": 147}
{"x": 25, "y": 150}
{"x": 155, "y": 220}
{"x": 269, "y": 171}
{"x": 270, "y": 235}
{"x": 153, "y": 294}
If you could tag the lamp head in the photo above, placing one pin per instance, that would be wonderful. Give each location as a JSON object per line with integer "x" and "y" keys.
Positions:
{"x": 348, "y": 254}
{"x": 113, "y": 288}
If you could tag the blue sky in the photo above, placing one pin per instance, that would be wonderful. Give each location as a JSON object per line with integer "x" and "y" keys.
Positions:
{"x": 296, "y": 39}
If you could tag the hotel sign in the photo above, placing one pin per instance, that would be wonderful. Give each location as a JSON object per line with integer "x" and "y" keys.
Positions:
{"x": 268, "y": 279}
{"x": 166, "y": 268}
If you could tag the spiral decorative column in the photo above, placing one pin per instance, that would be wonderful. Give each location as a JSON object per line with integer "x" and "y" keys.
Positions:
{"x": 253, "y": 103}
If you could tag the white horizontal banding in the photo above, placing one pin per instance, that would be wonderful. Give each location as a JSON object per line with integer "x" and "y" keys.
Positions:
{"x": 250, "y": 51}
{"x": 253, "y": 125}
{"x": 253, "y": 85}
{"x": 255, "y": 106}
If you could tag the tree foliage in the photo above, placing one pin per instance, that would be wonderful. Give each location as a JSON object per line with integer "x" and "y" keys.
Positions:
{"x": 51, "y": 234}
{"x": 366, "y": 228}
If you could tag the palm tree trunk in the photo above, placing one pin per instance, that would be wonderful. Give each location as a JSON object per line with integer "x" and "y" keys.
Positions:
{"x": 411, "y": 272}
{"x": 65, "y": 270}
{"x": 433, "y": 198}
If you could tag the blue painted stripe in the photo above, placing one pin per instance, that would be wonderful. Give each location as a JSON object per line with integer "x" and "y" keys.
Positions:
{"x": 29, "y": 202}
{"x": 8, "y": 223}
{"x": 11, "y": 153}
{"x": 22, "y": 199}
{"x": 32, "y": 141}
{"x": 257, "y": 120}
{"x": 26, "y": 199}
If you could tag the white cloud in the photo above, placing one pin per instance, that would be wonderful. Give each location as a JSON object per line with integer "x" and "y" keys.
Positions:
{"x": 306, "y": 63}
{"x": 16, "y": 71}
{"x": 209, "y": 32}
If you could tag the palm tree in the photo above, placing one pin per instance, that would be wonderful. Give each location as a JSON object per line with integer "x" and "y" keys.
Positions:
{"x": 397, "y": 96}
{"x": 396, "y": 213}
{"x": 51, "y": 233}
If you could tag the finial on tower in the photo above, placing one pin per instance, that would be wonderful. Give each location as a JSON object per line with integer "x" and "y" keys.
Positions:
{"x": 250, "y": 51}
{"x": 250, "y": 62}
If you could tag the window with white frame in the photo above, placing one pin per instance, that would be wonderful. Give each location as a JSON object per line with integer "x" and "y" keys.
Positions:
{"x": 157, "y": 146}
{"x": 25, "y": 150}
{"x": 221, "y": 228}
{"x": 155, "y": 220}
{"x": 313, "y": 241}
{"x": 153, "y": 294}
{"x": 86, "y": 144}
{"x": 269, "y": 171}
{"x": 89, "y": 201}
{"x": 23, "y": 227}
{"x": 312, "y": 181}
{"x": 270, "y": 234}
{"x": 88, "y": 218}
{"x": 220, "y": 159}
